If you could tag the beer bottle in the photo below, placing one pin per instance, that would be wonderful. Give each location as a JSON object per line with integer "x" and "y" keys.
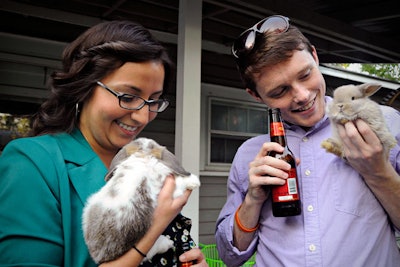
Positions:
{"x": 285, "y": 198}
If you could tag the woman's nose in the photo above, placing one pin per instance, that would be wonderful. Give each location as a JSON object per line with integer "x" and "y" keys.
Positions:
{"x": 142, "y": 116}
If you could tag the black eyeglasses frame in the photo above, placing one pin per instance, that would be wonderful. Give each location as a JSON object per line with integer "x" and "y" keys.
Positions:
{"x": 162, "y": 103}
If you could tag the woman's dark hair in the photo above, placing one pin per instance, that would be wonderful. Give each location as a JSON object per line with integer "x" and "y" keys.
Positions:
{"x": 270, "y": 49}
{"x": 96, "y": 53}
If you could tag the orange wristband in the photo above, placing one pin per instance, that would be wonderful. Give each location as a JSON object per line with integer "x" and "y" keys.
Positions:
{"x": 241, "y": 226}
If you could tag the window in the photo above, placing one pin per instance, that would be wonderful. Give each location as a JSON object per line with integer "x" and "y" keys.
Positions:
{"x": 229, "y": 116}
{"x": 230, "y": 124}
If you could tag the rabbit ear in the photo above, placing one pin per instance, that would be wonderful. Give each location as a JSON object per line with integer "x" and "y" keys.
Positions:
{"x": 368, "y": 89}
{"x": 172, "y": 162}
{"x": 109, "y": 174}
{"x": 121, "y": 155}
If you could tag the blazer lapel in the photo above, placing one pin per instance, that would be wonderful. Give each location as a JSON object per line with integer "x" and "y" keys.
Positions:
{"x": 85, "y": 169}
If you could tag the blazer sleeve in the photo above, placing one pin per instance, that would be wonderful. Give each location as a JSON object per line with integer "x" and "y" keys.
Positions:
{"x": 30, "y": 217}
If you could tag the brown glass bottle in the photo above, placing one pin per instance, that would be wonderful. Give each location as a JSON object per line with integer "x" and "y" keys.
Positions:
{"x": 285, "y": 198}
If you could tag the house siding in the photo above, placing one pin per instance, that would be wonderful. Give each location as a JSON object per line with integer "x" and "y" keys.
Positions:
{"x": 212, "y": 198}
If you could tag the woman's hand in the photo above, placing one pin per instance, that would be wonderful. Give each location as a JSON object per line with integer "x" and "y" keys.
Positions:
{"x": 194, "y": 254}
{"x": 168, "y": 207}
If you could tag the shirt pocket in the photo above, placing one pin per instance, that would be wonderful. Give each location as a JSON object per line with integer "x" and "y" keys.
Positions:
{"x": 351, "y": 193}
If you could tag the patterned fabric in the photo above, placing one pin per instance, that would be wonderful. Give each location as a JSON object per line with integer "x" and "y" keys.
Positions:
{"x": 179, "y": 232}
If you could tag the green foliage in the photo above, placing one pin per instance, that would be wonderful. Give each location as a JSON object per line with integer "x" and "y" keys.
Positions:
{"x": 386, "y": 71}
{"x": 389, "y": 71}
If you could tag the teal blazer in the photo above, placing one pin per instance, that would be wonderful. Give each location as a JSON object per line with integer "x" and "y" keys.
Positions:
{"x": 44, "y": 183}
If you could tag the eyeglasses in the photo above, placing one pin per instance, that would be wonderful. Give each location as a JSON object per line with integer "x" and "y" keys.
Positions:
{"x": 134, "y": 102}
{"x": 246, "y": 40}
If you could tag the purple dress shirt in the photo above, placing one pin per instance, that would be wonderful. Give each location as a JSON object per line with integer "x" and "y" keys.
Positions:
{"x": 342, "y": 223}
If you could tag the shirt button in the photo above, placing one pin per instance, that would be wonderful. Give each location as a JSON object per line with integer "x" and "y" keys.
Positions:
{"x": 305, "y": 139}
{"x": 307, "y": 172}
{"x": 312, "y": 247}
{"x": 310, "y": 208}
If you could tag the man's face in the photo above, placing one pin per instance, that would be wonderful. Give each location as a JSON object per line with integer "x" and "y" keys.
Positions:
{"x": 296, "y": 87}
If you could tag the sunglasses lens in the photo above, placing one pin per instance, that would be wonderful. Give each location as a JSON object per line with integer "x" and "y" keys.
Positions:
{"x": 273, "y": 24}
{"x": 244, "y": 42}
{"x": 249, "y": 43}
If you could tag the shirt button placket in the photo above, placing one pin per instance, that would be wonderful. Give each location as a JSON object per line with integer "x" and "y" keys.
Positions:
{"x": 311, "y": 220}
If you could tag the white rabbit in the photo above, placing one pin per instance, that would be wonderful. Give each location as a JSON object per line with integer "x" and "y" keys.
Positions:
{"x": 351, "y": 102}
{"x": 121, "y": 212}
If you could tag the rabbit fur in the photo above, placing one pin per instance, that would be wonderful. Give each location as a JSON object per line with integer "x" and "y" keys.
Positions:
{"x": 351, "y": 102}
{"x": 117, "y": 216}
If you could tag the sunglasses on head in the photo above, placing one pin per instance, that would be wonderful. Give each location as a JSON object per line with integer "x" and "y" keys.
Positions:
{"x": 246, "y": 40}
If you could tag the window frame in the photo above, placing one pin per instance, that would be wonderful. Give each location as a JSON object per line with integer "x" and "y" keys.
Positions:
{"x": 211, "y": 92}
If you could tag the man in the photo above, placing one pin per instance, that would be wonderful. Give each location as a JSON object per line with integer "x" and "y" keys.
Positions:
{"x": 351, "y": 208}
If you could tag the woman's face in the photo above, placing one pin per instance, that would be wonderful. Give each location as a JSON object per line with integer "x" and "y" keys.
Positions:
{"x": 108, "y": 127}
{"x": 296, "y": 87}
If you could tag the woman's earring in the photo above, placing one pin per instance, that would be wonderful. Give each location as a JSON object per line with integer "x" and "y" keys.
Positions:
{"x": 77, "y": 110}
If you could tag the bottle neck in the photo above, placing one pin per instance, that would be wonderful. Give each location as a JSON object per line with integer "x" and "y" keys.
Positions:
{"x": 276, "y": 129}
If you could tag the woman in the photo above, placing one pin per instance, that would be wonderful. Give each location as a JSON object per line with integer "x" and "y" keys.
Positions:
{"x": 111, "y": 86}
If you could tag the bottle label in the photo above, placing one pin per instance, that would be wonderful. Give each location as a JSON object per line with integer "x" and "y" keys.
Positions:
{"x": 288, "y": 191}
{"x": 277, "y": 129}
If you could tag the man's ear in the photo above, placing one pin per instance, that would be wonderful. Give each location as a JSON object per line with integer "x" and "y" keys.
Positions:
{"x": 254, "y": 95}
{"x": 315, "y": 55}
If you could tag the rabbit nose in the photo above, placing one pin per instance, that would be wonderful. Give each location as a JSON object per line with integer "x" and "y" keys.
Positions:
{"x": 340, "y": 106}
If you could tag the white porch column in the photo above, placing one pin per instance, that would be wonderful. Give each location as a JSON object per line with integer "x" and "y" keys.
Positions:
{"x": 188, "y": 96}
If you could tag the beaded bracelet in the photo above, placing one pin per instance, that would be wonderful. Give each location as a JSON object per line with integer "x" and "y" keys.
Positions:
{"x": 141, "y": 253}
{"x": 241, "y": 226}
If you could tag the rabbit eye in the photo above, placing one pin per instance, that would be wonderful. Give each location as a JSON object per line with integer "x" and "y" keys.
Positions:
{"x": 352, "y": 98}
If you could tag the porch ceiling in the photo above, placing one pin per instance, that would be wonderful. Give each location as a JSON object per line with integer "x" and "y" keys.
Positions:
{"x": 343, "y": 31}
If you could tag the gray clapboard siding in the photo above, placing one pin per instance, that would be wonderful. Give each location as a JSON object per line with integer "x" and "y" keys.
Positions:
{"x": 212, "y": 198}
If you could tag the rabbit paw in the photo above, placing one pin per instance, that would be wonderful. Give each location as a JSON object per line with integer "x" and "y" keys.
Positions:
{"x": 162, "y": 244}
{"x": 332, "y": 146}
{"x": 192, "y": 182}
